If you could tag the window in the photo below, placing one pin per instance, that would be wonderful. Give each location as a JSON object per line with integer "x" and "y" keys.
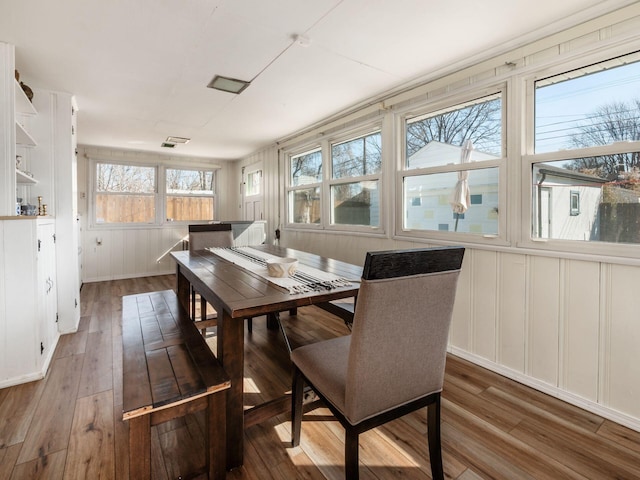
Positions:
{"x": 452, "y": 162}
{"x": 189, "y": 195}
{"x": 587, "y": 155}
{"x": 356, "y": 166}
{"x": 125, "y": 194}
{"x": 305, "y": 179}
{"x": 574, "y": 203}
{"x": 254, "y": 183}
{"x": 128, "y": 194}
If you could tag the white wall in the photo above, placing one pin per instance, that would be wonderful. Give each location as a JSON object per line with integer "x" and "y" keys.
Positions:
{"x": 567, "y": 324}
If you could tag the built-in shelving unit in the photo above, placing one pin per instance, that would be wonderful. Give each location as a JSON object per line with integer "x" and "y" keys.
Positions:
{"x": 24, "y": 179}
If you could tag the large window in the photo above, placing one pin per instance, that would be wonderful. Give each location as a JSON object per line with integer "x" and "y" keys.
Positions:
{"x": 586, "y": 161}
{"x": 125, "y": 194}
{"x": 337, "y": 185}
{"x": 148, "y": 194}
{"x": 356, "y": 166}
{"x": 189, "y": 194}
{"x": 452, "y": 156}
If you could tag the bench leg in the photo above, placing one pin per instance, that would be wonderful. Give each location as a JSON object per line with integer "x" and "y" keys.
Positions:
{"x": 216, "y": 437}
{"x": 140, "y": 447}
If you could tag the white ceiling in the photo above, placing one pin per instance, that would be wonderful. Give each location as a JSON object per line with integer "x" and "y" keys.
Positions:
{"x": 139, "y": 68}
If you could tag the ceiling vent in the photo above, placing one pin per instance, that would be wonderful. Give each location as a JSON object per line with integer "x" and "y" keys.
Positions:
{"x": 177, "y": 140}
{"x": 226, "y": 84}
{"x": 168, "y": 145}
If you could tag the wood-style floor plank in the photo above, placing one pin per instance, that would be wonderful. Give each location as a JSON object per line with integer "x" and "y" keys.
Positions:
{"x": 69, "y": 425}
{"x": 91, "y": 445}
{"x": 51, "y": 424}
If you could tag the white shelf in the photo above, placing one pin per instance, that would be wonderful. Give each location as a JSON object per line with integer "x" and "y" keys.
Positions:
{"x": 23, "y": 105}
{"x": 24, "y": 179}
{"x": 23, "y": 138}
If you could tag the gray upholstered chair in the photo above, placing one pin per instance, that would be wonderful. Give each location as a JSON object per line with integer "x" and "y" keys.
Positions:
{"x": 202, "y": 236}
{"x": 393, "y": 361}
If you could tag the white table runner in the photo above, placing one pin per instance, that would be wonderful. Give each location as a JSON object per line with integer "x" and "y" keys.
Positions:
{"x": 306, "y": 279}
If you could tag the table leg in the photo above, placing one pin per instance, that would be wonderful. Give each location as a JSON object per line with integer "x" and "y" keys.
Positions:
{"x": 183, "y": 289}
{"x": 140, "y": 447}
{"x": 231, "y": 355}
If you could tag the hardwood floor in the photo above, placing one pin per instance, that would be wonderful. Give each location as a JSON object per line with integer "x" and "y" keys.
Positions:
{"x": 69, "y": 426}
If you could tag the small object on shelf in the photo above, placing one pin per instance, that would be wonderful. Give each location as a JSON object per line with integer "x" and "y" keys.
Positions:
{"x": 44, "y": 210}
{"x": 40, "y": 205}
{"x": 18, "y": 161}
{"x": 30, "y": 210}
{"x": 27, "y": 91}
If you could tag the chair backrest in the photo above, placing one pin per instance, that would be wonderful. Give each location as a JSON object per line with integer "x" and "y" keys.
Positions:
{"x": 206, "y": 235}
{"x": 400, "y": 328}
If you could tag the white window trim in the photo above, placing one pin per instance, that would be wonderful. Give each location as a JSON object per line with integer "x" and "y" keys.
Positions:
{"x": 607, "y": 251}
{"x": 160, "y": 219}
{"x": 443, "y": 103}
{"x": 327, "y": 182}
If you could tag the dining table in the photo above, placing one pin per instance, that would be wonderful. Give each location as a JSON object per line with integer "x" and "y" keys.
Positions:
{"x": 235, "y": 282}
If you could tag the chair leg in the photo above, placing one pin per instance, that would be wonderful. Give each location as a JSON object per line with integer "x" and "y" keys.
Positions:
{"x": 203, "y": 308}
{"x": 250, "y": 325}
{"x": 193, "y": 304}
{"x": 351, "y": 455}
{"x": 433, "y": 433}
{"x": 296, "y": 406}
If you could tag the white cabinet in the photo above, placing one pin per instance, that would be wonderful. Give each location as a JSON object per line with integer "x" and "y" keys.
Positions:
{"x": 28, "y": 298}
{"x": 55, "y": 165}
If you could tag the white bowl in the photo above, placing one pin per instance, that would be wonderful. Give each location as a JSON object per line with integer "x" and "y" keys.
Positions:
{"x": 282, "y": 267}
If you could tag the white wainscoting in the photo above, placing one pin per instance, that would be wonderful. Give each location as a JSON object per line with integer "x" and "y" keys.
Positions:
{"x": 569, "y": 328}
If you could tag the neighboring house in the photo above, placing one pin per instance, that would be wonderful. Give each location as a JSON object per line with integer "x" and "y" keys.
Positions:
{"x": 566, "y": 204}
{"x": 428, "y": 202}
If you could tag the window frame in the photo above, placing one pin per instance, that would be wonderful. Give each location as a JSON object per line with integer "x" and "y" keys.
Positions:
{"x": 160, "y": 194}
{"x": 443, "y": 104}
{"x": 165, "y": 194}
{"x": 324, "y": 147}
{"x": 289, "y": 188}
{"x": 529, "y": 159}
{"x": 348, "y": 136}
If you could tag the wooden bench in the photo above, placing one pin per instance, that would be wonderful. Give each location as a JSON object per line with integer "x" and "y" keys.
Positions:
{"x": 168, "y": 372}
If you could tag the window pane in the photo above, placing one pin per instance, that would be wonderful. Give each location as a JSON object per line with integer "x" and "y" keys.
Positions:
{"x": 304, "y": 205}
{"x": 429, "y": 202}
{"x": 356, "y": 204}
{"x": 359, "y": 157}
{"x": 254, "y": 182}
{"x": 189, "y": 181}
{"x": 436, "y": 139}
{"x": 189, "y": 208}
{"x": 118, "y": 208}
{"x": 580, "y": 199}
{"x": 306, "y": 168}
{"x": 125, "y": 178}
{"x": 585, "y": 109}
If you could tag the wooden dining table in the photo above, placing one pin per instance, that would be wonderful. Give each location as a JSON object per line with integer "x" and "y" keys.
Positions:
{"x": 237, "y": 293}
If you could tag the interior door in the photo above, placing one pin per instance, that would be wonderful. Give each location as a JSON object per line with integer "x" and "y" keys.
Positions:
{"x": 252, "y": 192}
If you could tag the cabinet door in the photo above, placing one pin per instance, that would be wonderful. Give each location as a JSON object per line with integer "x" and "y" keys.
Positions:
{"x": 21, "y": 301}
{"x": 47, "y": 285}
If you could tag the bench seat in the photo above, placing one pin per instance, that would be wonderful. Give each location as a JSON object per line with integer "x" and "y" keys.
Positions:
{"x": 168, "y": 372}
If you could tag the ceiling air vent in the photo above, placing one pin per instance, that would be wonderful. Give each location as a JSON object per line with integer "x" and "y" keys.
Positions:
{"x": 168, "y": 145}
{"x": 177, "y": 140}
